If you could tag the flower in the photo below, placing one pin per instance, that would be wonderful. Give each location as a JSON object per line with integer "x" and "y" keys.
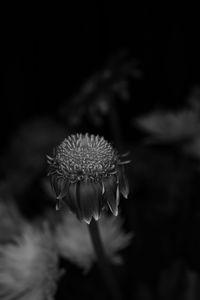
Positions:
{"x": 87, "y": 173}
{"x": 74, "y": 243}
{"x": 28, "y": 261}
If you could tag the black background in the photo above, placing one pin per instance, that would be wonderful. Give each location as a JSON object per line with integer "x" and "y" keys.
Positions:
{"x": 48, "y": 52}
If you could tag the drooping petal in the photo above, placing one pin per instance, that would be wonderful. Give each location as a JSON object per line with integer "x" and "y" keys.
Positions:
{"x": 72, "y": 200}
{"x": 98, "y": 190}
{"x": 123, "y": 183}
{"x": 89, "y": 200}
{"x": 110, "y": 184}
{"x": 117, "y": 195}
{"x": 103, "y": 188}
{"x": 58, "y": 184}
{"x": 64, "y": 191}
{"x": 53, "y": 182}
{"x": 58, "y": 205}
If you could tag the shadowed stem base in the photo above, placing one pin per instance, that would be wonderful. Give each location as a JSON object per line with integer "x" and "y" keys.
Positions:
{"x": 103, "y": 262}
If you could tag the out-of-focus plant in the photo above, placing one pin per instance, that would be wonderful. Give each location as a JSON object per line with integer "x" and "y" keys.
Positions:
{"x": 98, "y": 95}
{"x": 175, "y": 126}
{"x": 28, "y": 257}
{"x": 170, "y": 126}
{"x": 166, "y": 126}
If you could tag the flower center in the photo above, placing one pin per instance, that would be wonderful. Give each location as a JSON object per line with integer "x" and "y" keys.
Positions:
{"x": 85, "y": 157}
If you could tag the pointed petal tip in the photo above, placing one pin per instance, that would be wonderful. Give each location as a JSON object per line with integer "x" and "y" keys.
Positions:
{"x": 103, "y": 188}
{"x": 114, "y": 210}
{"x": 96, "y": 217}
{"x": 117, "y": 195}
{"x": 61, "y": 195}
{"x": 87, "y": 220}
{"x": 125, "y": 194}
{"x": 123, "y": 184}
{"x": 115, "y": 213}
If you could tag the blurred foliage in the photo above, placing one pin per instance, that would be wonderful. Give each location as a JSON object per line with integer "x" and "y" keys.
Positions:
{"x": 103, "y": 96}
{"x": 96, "y": 96}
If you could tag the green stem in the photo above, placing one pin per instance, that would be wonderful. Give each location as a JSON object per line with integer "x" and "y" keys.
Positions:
{"x": 103, "y": 262}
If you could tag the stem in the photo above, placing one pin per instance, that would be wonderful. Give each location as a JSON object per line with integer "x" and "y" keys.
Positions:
{"x": 103, "y": 262}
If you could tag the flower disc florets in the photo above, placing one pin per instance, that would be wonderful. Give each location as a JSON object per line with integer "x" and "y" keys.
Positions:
{"x": 86, "y": 172}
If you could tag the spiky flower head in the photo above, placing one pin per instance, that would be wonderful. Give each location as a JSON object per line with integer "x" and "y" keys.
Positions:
{"x": 87, "y": 174}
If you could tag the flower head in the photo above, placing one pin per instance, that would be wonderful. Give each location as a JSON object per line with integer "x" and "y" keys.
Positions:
{"x": 88, "y": 174}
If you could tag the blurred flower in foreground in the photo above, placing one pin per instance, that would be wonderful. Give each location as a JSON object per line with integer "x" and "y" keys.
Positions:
{"x": 74, "y": 241}
{"x": 28, "y": 264}
{"x": 88, "y": 174}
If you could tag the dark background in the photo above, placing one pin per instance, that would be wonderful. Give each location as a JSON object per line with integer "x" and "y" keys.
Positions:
{"x": 48, "y": 53}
